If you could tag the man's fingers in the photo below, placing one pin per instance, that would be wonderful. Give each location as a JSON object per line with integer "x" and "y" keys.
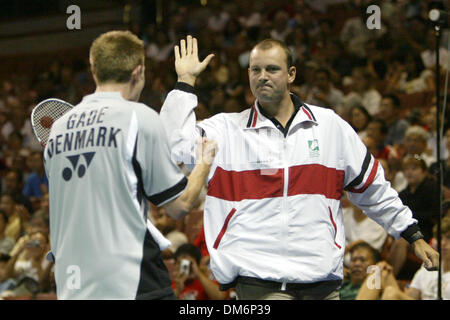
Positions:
{"x": 206, "y": 61}
{"x": 183, "y": 47}
{"x": 176, "y": 49}
{"x": 194, "y": 47}
{"x": 189, "y": 45}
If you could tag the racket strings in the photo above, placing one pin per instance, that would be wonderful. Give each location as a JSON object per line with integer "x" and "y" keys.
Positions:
{"x": 45, "y": 115}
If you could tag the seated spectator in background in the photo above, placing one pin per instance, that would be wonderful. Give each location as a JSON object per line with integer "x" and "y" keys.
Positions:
{"x": 379, "y": 284}
{"x": 411, "y": 76}
{"x": 391, "y": 169}
{"x": 445, "y": 167}
{"x": 192, "y": 280}
{"x": 362, "y": 93}
{"x": 27, "y": 261}
{"x": 161, "y": 48}
{"x": 377, "y": 130}
{"x": 421, "y": 194}
{"x": 6, "y": 243}
{"x": 14, "y": 148}
{"x": 43, "y": 211}
{"x": 324, "y": 94}
{"x": 359, "y": 118}
{"x": 359, "y": 227}
{"x": 36, "y": 183}
{"x": 429, "y": 120}
{"x": 415, "y": 142}
{"x": 424, "y": 283}
{"x": 362, "y": 255}
{"x": 17, "y": 216}
{"x": 168, "y": 227}
{"x": 421, "y": 197}
{"x": 13, "y": 187}
{"x": 389, "y": 113}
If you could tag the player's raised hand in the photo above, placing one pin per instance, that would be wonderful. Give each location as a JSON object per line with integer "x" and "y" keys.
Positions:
{"x": 187, "y": 64}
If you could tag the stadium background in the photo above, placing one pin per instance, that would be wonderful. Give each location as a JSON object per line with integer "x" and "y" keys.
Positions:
{"x": 41, "y": 58}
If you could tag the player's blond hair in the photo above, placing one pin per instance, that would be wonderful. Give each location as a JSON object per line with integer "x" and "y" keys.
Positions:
{"x": 114, "y": 55}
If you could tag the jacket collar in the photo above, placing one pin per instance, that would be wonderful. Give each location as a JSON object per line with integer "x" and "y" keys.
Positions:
{"x": 257, "y": 119}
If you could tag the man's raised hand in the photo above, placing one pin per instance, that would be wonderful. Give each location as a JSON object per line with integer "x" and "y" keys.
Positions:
{"x": 187, "y": 65}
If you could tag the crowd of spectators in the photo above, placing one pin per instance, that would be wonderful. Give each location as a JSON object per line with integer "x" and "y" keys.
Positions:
{"x": 380, "y": 81}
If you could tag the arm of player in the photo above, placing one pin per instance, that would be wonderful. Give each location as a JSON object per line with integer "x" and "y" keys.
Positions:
{"x": 179, "y": 207}
{"x": 177, "y": 113}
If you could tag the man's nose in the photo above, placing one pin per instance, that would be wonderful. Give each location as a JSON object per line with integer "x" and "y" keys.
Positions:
{"x": 263, "y": 76}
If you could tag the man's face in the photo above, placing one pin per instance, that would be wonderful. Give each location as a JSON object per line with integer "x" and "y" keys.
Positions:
{"x": 7, "y": 204}
{"x": 414, "y": 174}
{"x": 414, "y": 144}
{"x": 374, "y": 131}
{"x": 387, "y": 111}
{"x": 360, "y": 260}
{"x": 268, "y": 74}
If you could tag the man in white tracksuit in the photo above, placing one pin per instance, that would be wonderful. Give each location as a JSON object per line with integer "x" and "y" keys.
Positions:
{"x": 273, "y": 222}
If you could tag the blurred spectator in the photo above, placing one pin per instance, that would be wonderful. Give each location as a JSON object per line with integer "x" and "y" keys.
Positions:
{"x": 324, "y": 94}
{"x": 421, "y": 197}
{"x": 192, "y": 280}
{"x": 27, "y": 262}
{"x": 355, "y": 33}
{"x": 424, "y": 283}
{"x": 362, "y": 255}
{"x": 377, "y": 130}
{"x": 359, "y": 119}
{"x": 362, "y": 92}
{"x": 389, "y": 113}
{"x": 415, "y": 143}
{"x": 359, "y": 227}
{"x": 13, "y": 187}
{"x": 167, "y": 226}
{"x": 429, "y": 120}
{"x": 43, "y": 211}
{"x": 36, "y": 183}
{"x": 160, "y": 48}
{"x": 421, "y": 194}
{"x": 17, "y": 216}
{"x": 6, "y": 243}
{"x": 445, "y": 166}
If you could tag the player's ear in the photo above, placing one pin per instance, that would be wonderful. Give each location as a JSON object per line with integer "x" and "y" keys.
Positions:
{"x": 137, "y": 73}
{"x": 292, "y": 71}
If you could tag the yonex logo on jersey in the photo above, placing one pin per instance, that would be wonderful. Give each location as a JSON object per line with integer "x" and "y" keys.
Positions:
{"x": 79, "y": 169}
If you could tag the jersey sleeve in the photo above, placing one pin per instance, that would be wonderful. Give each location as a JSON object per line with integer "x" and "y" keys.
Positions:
{"x": 162, "y": 180}
{"x": 366, "y": 186}
{"x": 178, "y": 118}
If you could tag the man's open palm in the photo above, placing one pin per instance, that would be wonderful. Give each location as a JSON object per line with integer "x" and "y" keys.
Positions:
{"x": 187, "y": 64}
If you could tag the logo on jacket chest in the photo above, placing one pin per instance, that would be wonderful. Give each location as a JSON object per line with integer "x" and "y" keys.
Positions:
{"x": 313, "y": 147}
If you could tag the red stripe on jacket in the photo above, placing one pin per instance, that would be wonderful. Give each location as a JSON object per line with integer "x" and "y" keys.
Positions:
{"x": 260, "y": 184}
{"x": 370, "y": 179}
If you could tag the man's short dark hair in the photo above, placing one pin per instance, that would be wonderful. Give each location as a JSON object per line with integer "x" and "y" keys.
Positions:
{"x": 269, "y": 43}
{"x": 376, "y": 256}
{"x": 190, "y": 250}
{"x": 394, "y": 98}
{"x": 383, "y": 127}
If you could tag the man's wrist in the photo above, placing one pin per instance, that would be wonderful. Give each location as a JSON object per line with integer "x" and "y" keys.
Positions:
{"x": 184, "y": 86}
{"x": 412, "y": 234}
{"x": 190, "y": 80}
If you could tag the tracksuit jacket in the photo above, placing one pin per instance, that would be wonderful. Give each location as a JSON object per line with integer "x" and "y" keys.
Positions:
{"x": 272, "y": 209}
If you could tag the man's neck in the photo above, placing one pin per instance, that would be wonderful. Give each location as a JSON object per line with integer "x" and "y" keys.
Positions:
{"x": 282, "y": 111}
{"x": 124, "y": 89}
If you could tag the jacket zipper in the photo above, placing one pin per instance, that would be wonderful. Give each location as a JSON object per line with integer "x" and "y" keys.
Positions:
{"x": 334, "y": 227}
{"x": 224, "y": 228}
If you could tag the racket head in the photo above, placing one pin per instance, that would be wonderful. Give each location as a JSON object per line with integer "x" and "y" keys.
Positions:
{"x": 45, "y": 114}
